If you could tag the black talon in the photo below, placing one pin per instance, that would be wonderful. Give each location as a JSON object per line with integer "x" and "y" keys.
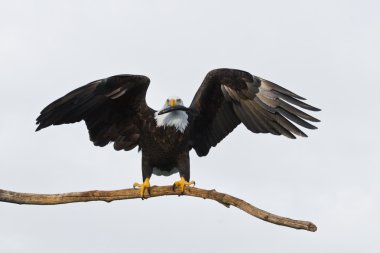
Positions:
{"x": 148, "y": 190}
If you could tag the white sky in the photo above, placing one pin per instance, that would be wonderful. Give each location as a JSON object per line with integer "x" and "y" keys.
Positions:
{"x": 326, "y": 51}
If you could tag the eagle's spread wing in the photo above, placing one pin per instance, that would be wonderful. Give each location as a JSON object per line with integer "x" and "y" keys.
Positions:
{"x": 113, "y": 109}
{"x": 228, "y": 97}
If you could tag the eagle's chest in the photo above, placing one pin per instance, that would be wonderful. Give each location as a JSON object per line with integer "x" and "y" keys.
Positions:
{"x": 168, "y": 140}
{"x": 170, "y": 131}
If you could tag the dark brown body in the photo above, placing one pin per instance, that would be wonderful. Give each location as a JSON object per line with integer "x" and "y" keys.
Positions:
{"x": 165, "y": 148}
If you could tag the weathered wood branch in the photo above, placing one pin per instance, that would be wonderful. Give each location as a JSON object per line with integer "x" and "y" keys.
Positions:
{"x": 155, "y": 191}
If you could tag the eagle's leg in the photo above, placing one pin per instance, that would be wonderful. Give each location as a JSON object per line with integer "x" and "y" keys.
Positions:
{"x": 182, "y": 183}
{"x": 184, "y": 172}
{"x": 143, "y": 186}
{"x": 147, "y": 170}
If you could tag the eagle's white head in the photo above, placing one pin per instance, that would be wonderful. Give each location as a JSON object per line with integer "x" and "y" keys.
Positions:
{"x": 173, "y": 113}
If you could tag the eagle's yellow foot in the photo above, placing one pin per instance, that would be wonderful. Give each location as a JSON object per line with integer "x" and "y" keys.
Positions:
{"x": 143, "y": 186}
{"x": 182, "y": 183}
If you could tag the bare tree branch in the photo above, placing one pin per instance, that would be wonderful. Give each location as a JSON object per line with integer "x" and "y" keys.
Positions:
{"x": 155, "y": 191}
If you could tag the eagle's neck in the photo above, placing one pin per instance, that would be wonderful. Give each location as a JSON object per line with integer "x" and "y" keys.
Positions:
{"x": 177, "y": 119}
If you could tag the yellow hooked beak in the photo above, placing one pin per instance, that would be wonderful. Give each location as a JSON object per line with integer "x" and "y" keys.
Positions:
{"x": 172, "y": 102}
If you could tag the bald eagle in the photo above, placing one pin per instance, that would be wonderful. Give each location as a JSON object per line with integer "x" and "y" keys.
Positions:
{"x": 115, "y": 110}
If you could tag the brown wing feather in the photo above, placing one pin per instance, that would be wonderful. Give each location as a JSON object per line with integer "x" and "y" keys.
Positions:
{"x": 228, "y": 97}
{"x": 112, "y": 108}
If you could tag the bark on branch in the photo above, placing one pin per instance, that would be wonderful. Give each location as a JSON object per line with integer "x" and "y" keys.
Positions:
{"x": 155, "y": 191}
